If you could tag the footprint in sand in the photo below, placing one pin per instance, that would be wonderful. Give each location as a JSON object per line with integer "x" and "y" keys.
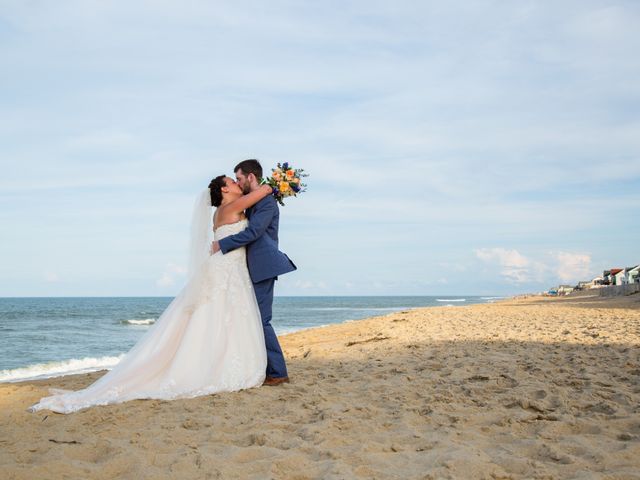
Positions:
{"x": 547, "y": 453}
{"x": 507, "y": 382}
{"x": 602, "y": 408}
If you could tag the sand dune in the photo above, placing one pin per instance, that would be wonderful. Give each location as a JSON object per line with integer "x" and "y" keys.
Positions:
{"x": 516, "y": 389}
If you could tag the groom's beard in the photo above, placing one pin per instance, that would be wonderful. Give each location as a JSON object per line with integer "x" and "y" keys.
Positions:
{"x": 246, "y": 189}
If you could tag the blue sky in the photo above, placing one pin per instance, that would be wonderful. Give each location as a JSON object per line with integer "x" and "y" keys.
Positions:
{"x": 454, "y": 147}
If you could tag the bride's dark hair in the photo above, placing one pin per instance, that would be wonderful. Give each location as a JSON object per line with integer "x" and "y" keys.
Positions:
{"x": 215, "y": 189}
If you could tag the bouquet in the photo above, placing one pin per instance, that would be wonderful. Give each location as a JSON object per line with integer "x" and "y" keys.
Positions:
{"x": 286, "y": 181}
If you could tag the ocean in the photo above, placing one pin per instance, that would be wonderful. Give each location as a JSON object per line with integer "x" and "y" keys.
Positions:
{"x": 48, "y": 337}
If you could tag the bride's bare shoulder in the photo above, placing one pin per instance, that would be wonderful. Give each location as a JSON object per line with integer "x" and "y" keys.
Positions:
{"x": 226, "y": 217}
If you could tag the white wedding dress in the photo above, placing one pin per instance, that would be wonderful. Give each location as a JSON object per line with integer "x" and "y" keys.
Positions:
{"x": 209, "y": 339}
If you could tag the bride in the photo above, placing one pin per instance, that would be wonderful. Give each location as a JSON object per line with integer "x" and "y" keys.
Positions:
{"x": 210, "y": 337}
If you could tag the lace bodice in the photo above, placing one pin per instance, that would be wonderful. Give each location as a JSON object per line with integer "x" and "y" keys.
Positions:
{"x": 230, "y": 229}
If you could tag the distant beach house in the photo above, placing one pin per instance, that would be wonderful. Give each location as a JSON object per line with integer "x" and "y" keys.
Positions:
{"x": 597, "y": 282}
{"x": 565, "y": 289}
{"x": 609, "y": 276}
{"x": 620, "y": 278}
{"x": 614, "y": 277}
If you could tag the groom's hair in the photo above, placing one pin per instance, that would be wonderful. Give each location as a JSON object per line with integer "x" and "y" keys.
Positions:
{"x": 250, "y": 166}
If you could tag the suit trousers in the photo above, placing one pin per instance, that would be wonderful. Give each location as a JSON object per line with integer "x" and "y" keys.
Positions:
{"x": 276, "y": 366}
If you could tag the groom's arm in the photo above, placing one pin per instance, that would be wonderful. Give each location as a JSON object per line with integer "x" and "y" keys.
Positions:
{"x": 261, "y": 217}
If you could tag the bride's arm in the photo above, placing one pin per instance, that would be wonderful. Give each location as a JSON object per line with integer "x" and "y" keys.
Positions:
{"x": 250, "y": 199}
{"x": 258, "y": 223}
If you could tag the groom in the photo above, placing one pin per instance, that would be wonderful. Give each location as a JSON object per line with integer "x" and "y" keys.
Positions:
{"x": 264, "y": 260}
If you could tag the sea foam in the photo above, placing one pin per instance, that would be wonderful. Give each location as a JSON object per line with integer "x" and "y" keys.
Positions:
{"x": 145, "y": 321}
{"x": 60, "y": 368}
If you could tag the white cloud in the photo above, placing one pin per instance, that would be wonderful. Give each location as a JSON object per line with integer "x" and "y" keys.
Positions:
{"x": 515, "y": 267}
{"x": 572, "y": 267}
{"x": 165, "y": 280}
{"x": 170, "y": 275}
{"x": 552, "y": 267}
{"x": 51, "y": 277}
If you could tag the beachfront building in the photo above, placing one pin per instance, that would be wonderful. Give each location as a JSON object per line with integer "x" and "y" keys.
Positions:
{"x": 621, "y": 278}
{"x": 565, "y": 289}
{"x": 633, "y": 274}
{"x": 584, "y": 285}
{"x": 609, "y": 276}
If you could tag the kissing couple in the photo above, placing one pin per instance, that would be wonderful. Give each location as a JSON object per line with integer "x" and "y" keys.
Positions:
{"x": 216, "y": 334}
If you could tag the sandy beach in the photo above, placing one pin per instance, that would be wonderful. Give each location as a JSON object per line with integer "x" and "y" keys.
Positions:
{"x": 528, "y": 388}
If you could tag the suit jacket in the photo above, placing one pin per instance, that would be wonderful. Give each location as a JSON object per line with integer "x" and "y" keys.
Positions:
{"x": 261, "y": 239}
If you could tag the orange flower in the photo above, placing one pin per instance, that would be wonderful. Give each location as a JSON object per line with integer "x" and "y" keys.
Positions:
{"x": 284, "y": 187}
{"x": 276, "y": 176}
{"x": 290, "y": 174}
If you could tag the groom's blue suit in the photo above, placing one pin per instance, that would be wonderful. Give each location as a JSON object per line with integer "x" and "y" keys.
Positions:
{"x": 265, "y": 263}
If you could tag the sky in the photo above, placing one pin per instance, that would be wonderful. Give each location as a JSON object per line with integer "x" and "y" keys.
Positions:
{"x": 454, "y": 148}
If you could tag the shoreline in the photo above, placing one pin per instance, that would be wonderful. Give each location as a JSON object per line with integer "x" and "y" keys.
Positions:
{"x": 525, "y": 388}
{"x": 594, "y": 301}
{"x": 626, "y": 302}
{"x": 109, "y": 358}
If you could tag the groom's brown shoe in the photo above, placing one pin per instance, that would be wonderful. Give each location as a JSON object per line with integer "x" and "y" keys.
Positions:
{"x": 273, "y": 381}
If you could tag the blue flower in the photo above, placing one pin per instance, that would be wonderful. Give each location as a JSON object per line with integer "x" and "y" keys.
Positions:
{"x": 285, "y": 166}
{"x": 295, "y": 188}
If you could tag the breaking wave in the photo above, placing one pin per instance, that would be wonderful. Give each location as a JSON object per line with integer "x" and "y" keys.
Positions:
{"x": 59, "y": 368}
{"x": 146, "y": 321}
